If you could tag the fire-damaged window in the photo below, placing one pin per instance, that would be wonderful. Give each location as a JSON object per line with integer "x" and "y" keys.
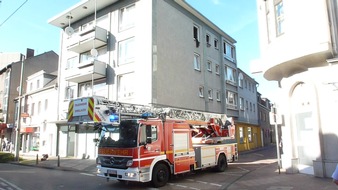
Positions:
{"x": 196, "y": 35}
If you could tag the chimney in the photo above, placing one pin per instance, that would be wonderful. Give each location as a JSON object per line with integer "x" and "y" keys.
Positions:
{"x": 29, "y": 53}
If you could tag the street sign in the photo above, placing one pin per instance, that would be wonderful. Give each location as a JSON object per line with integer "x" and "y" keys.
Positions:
{"x": 24, "y": 115}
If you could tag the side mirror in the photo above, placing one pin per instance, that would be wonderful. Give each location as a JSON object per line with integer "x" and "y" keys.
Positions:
{"x": 148, "y": 141}
{"x": 96, "y": 140}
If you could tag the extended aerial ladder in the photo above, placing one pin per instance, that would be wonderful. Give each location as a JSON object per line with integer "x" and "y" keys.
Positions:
{"x": 206, "y": 127}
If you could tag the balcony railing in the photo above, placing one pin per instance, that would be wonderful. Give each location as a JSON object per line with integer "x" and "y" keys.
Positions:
{"x": 86, "y": 71}
{"x": 88, "y": 39}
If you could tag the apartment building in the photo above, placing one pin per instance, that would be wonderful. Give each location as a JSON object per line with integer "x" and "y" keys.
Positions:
{"x": 299, "y": 50}
{"x": 11, "y": 66}
{"x": 38, "y": 129}
{"x": 145, "y": 52}
{"x": 267, "y": 130}
{"x": 249, "y": 131}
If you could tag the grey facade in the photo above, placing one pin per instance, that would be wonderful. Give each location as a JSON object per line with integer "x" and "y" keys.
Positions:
{"x": 163, "y": 53}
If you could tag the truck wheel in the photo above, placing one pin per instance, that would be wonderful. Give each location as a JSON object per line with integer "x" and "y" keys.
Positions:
{"x": 160, "y": 175}
{"x": 222, "y": 163}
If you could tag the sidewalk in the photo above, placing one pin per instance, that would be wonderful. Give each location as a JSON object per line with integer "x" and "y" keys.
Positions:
{"x": 265, "y": 178}
{"x": 67, "y": 164}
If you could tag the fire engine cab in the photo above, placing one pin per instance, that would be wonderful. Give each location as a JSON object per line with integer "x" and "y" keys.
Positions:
{"x": 148, "y": 143}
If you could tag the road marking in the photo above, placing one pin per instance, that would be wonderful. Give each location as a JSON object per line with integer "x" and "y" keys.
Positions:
{"x": 87, "y": 174}
{"x": 6, "y": 183}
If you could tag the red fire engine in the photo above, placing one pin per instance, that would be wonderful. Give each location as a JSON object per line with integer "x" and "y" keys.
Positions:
{"x": 148, "y": 143}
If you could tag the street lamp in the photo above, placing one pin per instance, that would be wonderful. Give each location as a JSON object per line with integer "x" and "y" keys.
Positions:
{"x": 17, "y": 143}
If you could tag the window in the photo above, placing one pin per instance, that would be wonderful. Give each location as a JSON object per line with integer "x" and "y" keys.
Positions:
{"x": 46, "y": 104}
{"x": 86, "y": 56}
{"x": 39, "y": 107}
{"x": 241, "y": 103}
{"x": 241, "y": 135}
{"x": 240, "y": 80}
{"x": 207, "y": 39}
{"x": 71, "y": 62}
{"x": 196, "y": 35}
{"x": 32, "y": 109}
{"x": 87, "y": 26}
{"x": 125, "y": 86}
{"x": 218, "y": 95}
{"x": 254, "y": 107}
{"x": 250, "y": 106}
{"x": 30, "y": 86}
{"x": 148, "y": 131}
{"x": 201, "y": 91}
{"x": 230, "y": 75}
{"x": 101, "y": 56}
{"x": 197, "y": 64}
{"x": 38, "y": 84}
{"x": 229, "y": 51}
{"x": 209, "y": 66}
{"x": 126, "y": 51}
{"x": 69, "y": 93}
{"x": 210, "y": 94}
{"x": 100, "y": 88}
{"x": 217, "y": 69}
{"x": 249, "y": 134}
{"x": 216, "y": 43}
{"x": 127, "y": 17}
{"x": 279, "y": 18}
{"x": 247, "y": 105}
{"x": 231, "y": 100}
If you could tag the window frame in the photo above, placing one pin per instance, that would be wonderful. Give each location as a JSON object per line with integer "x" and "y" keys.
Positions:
{"x": 209, "y": 66}
{"x": 210, "y": 94}
{"x": 201, "y": 91}
{"x": 127, "y": 17}
{"x": 126, "y": 51}
{"x": 218, "y": 95}
{"x": 197, "y": 62}
{"x": 196, "y": 34}
{"x": 279, "y": 17}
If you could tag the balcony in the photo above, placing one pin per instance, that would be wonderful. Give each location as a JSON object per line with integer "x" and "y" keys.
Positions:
{"x": 86, "y": 71}
{"x": 88, "y": 39}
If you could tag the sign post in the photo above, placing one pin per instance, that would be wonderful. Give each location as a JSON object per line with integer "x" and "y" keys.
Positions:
{"x": 274, "y": 121}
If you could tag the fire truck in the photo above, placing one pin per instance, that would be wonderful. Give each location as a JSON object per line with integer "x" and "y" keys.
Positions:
{"x": 144, "y": 143}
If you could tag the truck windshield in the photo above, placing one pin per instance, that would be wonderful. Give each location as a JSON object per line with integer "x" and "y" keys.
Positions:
{"x": 122, "y": 135}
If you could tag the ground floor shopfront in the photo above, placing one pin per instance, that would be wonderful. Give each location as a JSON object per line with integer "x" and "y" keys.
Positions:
{"x": 248, "y": 137}
{"x": 310, "y": 136}
{"x": 77, "y": 141}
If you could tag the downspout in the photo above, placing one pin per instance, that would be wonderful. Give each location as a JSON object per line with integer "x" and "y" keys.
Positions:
{"x": 332, "y": 15}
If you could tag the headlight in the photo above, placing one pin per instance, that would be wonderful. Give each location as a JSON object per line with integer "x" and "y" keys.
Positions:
{"x": 131, "y": 175}
{"x": 98, "y": 160}
{"x": 129, "y": 163}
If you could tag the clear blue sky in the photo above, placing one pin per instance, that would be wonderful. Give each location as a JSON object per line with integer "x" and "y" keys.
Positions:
{"x": 28, "y": 28}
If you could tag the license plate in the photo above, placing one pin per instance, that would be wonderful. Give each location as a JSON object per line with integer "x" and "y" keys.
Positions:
{"x": 113, "y": 172}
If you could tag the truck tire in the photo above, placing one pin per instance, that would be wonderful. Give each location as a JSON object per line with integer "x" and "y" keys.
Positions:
{"x": 160, "y": 175}
{"x": 222, "y": 163}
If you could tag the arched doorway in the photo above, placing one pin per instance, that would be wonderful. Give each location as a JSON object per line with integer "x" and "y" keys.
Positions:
{"x": 306, "y": 145}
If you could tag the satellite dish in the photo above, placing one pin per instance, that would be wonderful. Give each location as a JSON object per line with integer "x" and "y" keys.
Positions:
{"x": 69, "y": 30}
{"x": 94, "y": 52}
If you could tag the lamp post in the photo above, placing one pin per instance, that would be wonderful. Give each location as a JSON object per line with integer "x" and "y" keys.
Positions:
{"x": 17, "y": 143}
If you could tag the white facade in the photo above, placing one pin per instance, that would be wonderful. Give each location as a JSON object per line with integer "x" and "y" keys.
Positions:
{"x": 298, "y": 49}
{"x": 38, "y": 129}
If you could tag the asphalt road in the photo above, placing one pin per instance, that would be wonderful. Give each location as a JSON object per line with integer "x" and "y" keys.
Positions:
{"x": 17, "y": 177}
